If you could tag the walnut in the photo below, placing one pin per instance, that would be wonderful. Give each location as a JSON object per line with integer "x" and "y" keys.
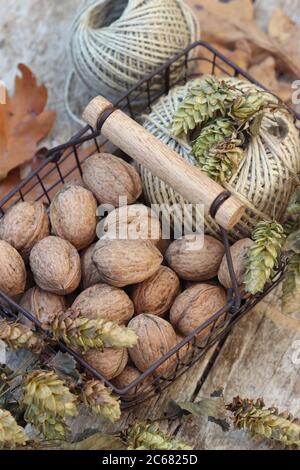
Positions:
{"x": 104, "y": 301}
{"x": 43, "y": 305}
{"x": 131, "y": 222}
{"x": 89, "y": 272}
{"x": 156, "y": 338}
{"x": 126, "y": 378}
{"x": 12, "y": 270}
{"x": 73, "y": 215}
{"x": 125, "y": 262}
{"x": 156, "y": 294}
{"x": 110, "y": 177}
{"x": 109, "y": 362}
{"x": 239, "y": 252}
{"x": 196, "y": 305}
{"x": 23, "y": 225}
{"x": 55, "y": 265}
{"x": 193, "y": 260}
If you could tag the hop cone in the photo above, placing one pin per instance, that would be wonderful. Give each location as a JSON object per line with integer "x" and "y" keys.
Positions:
{"x": 291, "y": 286}
{"x": 247, "y": 106}
{"x": 150, "y": 437}
{"x": 265, "y": 422}
{"x": 207, "y": 98}
{"x": 263, "y": 255}
{"x": 97, "y": 397}
{"x": 18, "y": 336}
{"x": 217, "y": 149}
{"x": 46, "y": 393}
{"x": 79, "y": 331}
{"x": 11, "y": 434}
{"x": 52, "y": 427}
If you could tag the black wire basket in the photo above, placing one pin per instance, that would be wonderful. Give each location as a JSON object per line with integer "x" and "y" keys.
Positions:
{"x": 63, "y": 163}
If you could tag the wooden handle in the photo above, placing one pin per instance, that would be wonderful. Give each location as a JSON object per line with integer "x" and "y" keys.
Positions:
{"x": 162, "y": 161}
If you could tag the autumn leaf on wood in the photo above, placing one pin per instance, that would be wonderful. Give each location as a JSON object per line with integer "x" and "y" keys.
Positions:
{"x": 24, "y": 122}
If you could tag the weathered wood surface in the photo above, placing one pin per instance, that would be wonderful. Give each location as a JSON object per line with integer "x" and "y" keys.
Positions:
{"x": 260, "y": 356}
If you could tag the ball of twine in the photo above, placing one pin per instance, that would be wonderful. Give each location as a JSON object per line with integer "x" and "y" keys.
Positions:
{"x": 264, "y": 180}
{"x": 115, "y": 43}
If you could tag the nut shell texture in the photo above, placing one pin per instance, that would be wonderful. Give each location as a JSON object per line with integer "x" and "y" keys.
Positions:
{"x": 239, "y": 252}
{"x": 125, "y": 262}
{"x": 55, "y": 265}
{"x": 43, "y": 305}
{"x": 89, "y": 272}
{"x": 12, "y": 270}
{"x": 194, "y": 261}
{"x": 109, "y": 362}
{"x": 104, "y": 301}
{"x": 24, "y": 225}
{"x": 156, "y": 337}
{"x": 132, "y": 222}
{"x": 157, "y": 294}
{"x": 73, "y": 215}
{"x": 196, "y": 305}
{"x": 126, "y": 378}
{"x": 109, "y": 177}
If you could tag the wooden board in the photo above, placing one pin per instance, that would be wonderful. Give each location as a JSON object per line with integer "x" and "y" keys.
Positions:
{"x": 259, "y": 359}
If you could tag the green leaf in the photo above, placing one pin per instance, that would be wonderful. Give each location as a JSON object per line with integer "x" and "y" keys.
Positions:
{"x": 98, "y": 441}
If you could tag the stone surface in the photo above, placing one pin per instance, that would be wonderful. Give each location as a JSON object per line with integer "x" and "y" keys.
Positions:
{"x": 35, "y": 32}
{"x": 265, "y": 8}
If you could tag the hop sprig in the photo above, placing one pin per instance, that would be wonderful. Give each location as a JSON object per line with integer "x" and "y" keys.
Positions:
{"x": 48, "y": 403}
{"x": 207, "y": 98}
{"x": 100, "y": 400}
{"x": 247, "y": 106}
{"x": 142, "y": 436}
{"x": 79, "y": 331}
{"x": 18, "y": 336}
{"x": 265, "y": 422}
{"x": 291, "y": 285}
{"x": 263, "y": 256}
{"x": 218, "y": 149}
{"x": 11, "y": 434}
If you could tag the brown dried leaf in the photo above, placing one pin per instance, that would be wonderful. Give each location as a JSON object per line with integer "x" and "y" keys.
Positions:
{"x": 231, "y": 21}
{"x": 23, "y": 122}
{"x": 282, "y": 29}
{"x": 265, "y": 73}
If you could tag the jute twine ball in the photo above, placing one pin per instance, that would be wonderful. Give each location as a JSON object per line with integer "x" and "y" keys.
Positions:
{"x": 264, "y": 180}
{"x": 115, "y": 43}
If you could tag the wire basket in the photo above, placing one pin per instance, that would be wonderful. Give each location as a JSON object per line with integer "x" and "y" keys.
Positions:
{"x": 63, "y": 163}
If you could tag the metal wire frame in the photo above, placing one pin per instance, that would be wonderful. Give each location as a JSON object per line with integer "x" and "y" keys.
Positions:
{"x": 216, "y": 327}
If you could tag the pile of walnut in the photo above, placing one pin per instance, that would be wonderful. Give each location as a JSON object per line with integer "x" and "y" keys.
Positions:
{"x": 162, "y": 294}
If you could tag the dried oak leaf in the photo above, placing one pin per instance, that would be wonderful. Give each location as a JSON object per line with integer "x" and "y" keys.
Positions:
{"x": 286, "y": 33}
{"x": 265, "y": 73}
{"x": 226, "y": 22}
{"x": 24, "y": 122}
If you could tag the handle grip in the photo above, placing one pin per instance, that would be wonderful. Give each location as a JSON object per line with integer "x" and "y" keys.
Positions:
{"x": 162, "y": 161}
